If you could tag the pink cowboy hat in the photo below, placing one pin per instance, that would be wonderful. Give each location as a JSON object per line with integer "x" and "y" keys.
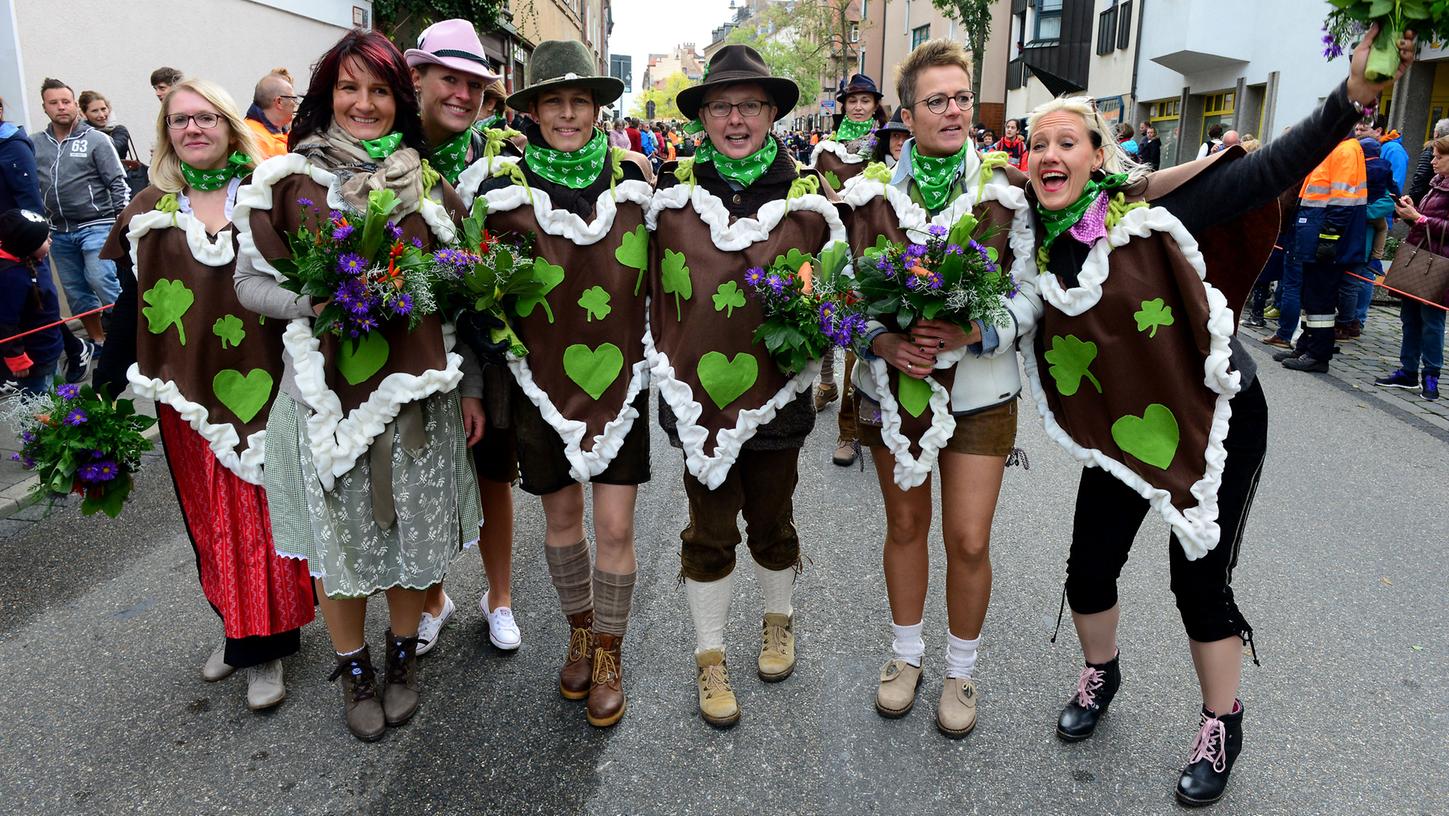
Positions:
{"x": 453, "y": 44}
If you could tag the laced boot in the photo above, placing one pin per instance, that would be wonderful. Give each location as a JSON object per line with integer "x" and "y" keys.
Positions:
{"x": 777, "y": 647}
{"x": 361, "y": 709}
{"x": 606, "y": 691}
{"x": 400, "y": 696}
{"x": 717, "y": 703}
{"x": 1219, "y": 739}
{"x": 1096, "y": 686}
{"x": 577, "y": 675}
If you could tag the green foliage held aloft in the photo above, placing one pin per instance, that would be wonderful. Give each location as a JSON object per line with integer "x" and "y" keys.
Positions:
{"x": 403, "y": 20}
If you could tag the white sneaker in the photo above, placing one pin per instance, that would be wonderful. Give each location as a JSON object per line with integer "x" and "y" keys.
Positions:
{"x": 216, "y": 667}
{"x": 264, "y": 685}
{"x": 430, "y": 627}
{"x": 502, "y": 629}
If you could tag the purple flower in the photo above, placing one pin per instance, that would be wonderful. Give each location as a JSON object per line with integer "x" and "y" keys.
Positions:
{"x": 394, "y": 230}
{"x": 99, "y": 472}
{"x": 754, "y": 275}
{"x": 913, "y": 283}
{"x": 342, "y": 233}
{"x": 933, "y": 281}
{"x": 15, "y": 457}
{"x": 403, "y": 305}
{"x": 915, "y": 252}
{"x": 776, "y": 284}
{"x": 351, "y": 263}
{"x": 98, "y": 454}
{"x": 68, "y": 392}
{"x": 418, "y": 243}
{"x": 334, "y": 215}
{"x": 27, "y": 437}
{"x": 304, "y": 202}
{"x": 937, "y": 230}
{"x": 954, "y": 249}
{"x": 76, "y": 418}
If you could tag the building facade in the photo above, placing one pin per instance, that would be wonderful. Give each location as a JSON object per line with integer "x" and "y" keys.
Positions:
{"x": 682, "y": 60}
{"x": 905, "y": 24}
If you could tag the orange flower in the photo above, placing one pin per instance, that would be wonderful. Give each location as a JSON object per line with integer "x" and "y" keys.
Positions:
{"x": 805, "y": 278}
{"x": 920, "y": 271}
{"x": 44, "y": 419}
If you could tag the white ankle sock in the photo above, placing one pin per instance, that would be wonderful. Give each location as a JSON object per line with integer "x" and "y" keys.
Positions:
{"x": 778, "y": 586}
{"x": 960, "y": 656}
{"x": 908, "y": 645}
{"x": 354, "y": 652}
{"x": 709, "y": 605}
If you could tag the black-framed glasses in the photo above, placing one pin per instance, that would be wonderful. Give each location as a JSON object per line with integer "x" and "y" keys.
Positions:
{"x": 936, "y": 103}
{"x": 750, "y": 108}
{"x": 204, "y": 120}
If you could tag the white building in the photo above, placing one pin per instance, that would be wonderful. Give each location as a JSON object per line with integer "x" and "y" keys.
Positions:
{"x": 112, "y": 46}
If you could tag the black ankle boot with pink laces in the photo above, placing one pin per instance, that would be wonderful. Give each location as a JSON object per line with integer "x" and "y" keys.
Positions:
{"x": 1219, "y": 739}
{"x": 1096, "y": 686}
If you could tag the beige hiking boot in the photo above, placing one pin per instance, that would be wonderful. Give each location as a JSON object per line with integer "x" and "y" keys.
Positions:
{"x": 825, "y": 393}
{"x": 717, "y": 703}
{"x": 777, "y": 647}
{"x": 956, "y": 715}
{"x": 897, "y": 692}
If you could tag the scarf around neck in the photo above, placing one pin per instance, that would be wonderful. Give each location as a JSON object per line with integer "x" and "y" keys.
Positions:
{"x": 1058, "y": 222}
{"x": 358, "y": 173}
{"x": 237, "y": 164}
{"x": 575, "y": 169}
{"x": 451, "y": 157}
{"x": 850, "y": 130}
{"x": 935, "y": 175}
{"x": 744, "y": 171}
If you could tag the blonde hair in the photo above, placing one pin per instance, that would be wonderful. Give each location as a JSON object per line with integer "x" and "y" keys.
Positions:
{"x": 1251, "y": 143}
{"x": 1115, "y": 159}
{"x": 929, "y": 54}
{"x": 166, "y": 165}
{"x": 1440, "y": 145}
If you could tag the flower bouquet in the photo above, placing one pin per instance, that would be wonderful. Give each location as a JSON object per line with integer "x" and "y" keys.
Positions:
{"x": 81, "y": 441}
{"x": 490, "y": 275}
{"x": 1348, "y": 21}
{"x": 953, "y": 276}
{"x": 807, "y": 304}
{"x": 361, "y": 266}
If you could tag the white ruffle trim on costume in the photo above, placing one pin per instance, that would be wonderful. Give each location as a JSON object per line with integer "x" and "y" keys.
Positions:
{"x": 223, "y": 439}
{"x": 584, "y": 465}
{"x": 564, "y": 224}
{"x": 738, "y": 236}
{"x": 911, "y": 471}
{"x": 1196, "y": 527}
{"x": 337, "y": 441}
{"x": 839, "y": 150}
{"x": 204, "y": 250}
{"x": 473, "y": 177}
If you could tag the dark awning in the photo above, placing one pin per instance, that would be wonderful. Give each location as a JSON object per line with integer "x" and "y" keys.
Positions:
{"x": 1055, "y": 84}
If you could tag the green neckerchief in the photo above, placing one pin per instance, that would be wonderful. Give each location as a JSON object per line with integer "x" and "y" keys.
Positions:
{"x": 850, "y": 130}
{"x": 572, "y": 169}
{"x": 935, "y": 175}
{"x": 451, "y": 157}
{"x": 237, "y": 164}
{"x": 744, "y": 171}
{"x": 1057, "y": 222}
{"x": 383, "y": 146}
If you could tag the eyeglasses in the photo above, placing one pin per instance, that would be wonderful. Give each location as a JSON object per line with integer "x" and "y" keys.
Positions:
{"x": 179, "y": 121}
{"x": 750, "y": 108}
{"x": 295, "y": 100}
{"x": 938, "y": 102}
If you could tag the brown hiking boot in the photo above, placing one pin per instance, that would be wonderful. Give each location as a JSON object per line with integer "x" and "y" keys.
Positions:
{"x": 400, "y": 696}
{"x": 717, "y": 703}
{"x": 361, "y": 708}
{"x": 606, "y": 694}
{"x": 846, "y": 452}
{"x": 825, "y": 393}
{"x": 777, "y": 647}
{"x": 577, "y": 675}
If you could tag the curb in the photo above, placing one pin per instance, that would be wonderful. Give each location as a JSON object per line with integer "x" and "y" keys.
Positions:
{"x": 22, "y": 494}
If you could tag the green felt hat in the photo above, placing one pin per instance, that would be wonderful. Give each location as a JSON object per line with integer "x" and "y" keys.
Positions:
{"x": 565, "y": 64}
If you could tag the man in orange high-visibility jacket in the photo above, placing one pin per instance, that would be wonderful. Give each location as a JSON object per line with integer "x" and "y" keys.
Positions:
{"x": 1330, "y": 238}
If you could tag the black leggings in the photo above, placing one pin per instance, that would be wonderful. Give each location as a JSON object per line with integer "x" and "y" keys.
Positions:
{"x": 1109, "y": 513}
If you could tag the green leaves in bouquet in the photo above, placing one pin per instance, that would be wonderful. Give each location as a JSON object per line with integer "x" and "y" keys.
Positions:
{"x": 833, "y": 260}
{"x": 473, "y": 225}
{"x": 790, "y": 348}
{"x": 380, "y": 204}
{"x": 792, "y": 260}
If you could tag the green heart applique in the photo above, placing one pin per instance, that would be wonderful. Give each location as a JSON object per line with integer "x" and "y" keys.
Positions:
{"x": 593, "y": 370}
{"x": 243, "y": 395}
{"x": 913, "y": 394}
{"x": 1152, "y": 437}
{"x": 633, "y": 252}
{"x": 359, "y": 359}
{"x": 725, "y": 380}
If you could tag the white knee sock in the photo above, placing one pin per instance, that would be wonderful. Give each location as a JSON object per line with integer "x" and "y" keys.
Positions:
{"x": 908, "y": 645}
{"x": 777, "y": 586}
{"x": 960, "y": 656}
{"x": 709, "y": 605}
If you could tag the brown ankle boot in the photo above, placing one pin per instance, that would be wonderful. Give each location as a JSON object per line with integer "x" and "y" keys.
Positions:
{"x": 361, "y": 708}
{"x": 606, "y": 696}
{"x": 576, "y": 676}
{"x": 400, "y": 697}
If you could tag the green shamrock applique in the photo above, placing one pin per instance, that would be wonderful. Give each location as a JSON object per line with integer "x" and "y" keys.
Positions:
{"x": 728, "y": 298}
{"x": 674, "y": 274}
{"x": 1071, "y": 359}
{"x": 551, "y": 275}
{"x": 170, "y": 300}
{"x": 230, "y": 330}
{"x": 596, "y": 302}
{"x": 1154, "y": 313}
{"x": 832, "y": 179}
{"x": 633, "y": 252}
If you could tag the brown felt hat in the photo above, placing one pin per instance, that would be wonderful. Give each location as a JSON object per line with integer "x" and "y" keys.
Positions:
{"x": 565, "y": 63}
{"x": 734, "y": 65}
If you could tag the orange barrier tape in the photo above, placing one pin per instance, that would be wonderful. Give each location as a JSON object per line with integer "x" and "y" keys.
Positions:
{"x": 1375, "y": 282}
{"x": 56, "y": 323}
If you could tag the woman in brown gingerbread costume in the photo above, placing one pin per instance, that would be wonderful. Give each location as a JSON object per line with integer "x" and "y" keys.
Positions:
{"x": 1142, "y": 273}
{"x": 582, "y": 390}
{"x": 212, "y": 369}
{"x": 368, "y": 470}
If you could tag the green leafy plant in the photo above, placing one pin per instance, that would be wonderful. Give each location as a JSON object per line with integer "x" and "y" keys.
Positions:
{"x": 1428, "y": 19}
{"x": 807, "y": 306}
{"x": 952, "y": 276}
{"x": 490, "y": 275}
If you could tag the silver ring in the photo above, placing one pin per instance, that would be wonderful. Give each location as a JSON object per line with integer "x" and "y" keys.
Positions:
{"x": 909, "y": 367}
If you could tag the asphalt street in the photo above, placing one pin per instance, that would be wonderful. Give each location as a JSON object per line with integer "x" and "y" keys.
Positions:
{"x": 103, "y": 631}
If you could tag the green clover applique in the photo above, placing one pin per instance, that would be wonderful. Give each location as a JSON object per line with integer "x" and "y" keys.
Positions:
{"x": 551, "y": 275}
{"x": 595, "y": 302}
{"x": 674, "y": 274}
{"x": 230, "y": 330}
{"x": 1071, "y": 359}
{"x": 170, "y": 300}
{"x": 728, "y": 298}
{"x": 1154, "y": 313}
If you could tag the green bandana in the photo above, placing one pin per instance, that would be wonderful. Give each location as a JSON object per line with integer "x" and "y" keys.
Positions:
{"x": 383, "y": 146}
{"x": 935, "y": 175}
{"x": 574, "y": 170}
{"x": 451, "y": 157}
{"x": 850, "y": 130}
{"x": 1057, "y": 222}
{"x": 237, "y": 164}
{"x": 744, "y": 171}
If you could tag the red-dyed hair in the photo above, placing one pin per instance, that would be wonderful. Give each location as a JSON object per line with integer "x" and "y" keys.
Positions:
{"x": 382, "y": 58}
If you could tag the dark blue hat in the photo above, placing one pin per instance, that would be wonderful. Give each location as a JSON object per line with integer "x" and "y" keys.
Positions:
{"x": 859, "y": 83}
